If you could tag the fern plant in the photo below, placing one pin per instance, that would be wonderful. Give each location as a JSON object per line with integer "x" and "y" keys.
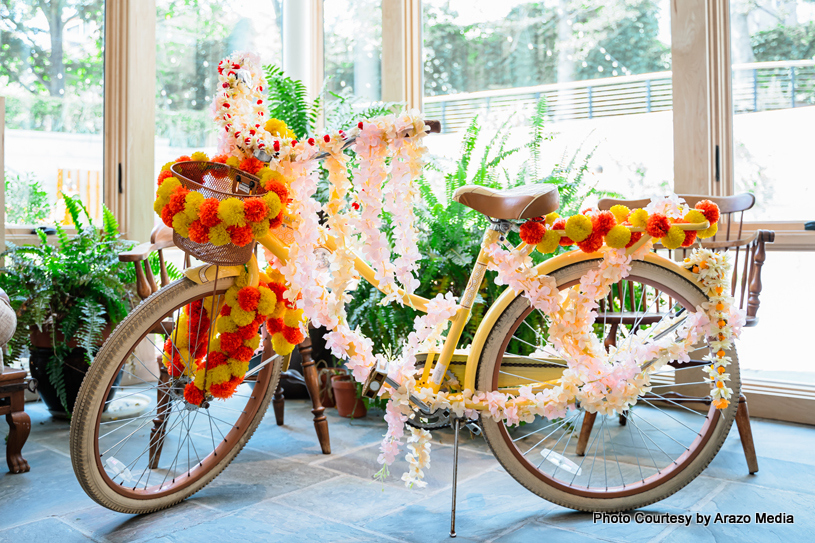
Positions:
{"x": 288, "y": 101}
{"x": 451, "y": 233}
{"x": 73, "y": 288}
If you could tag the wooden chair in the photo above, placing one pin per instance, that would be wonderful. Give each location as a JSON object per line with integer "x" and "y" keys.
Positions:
{"x": 746, "y": 285}
{"x": 160, "y": 239}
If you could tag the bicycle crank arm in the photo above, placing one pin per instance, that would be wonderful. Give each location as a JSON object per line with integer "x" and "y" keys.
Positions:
{"x": 377, "y": 378}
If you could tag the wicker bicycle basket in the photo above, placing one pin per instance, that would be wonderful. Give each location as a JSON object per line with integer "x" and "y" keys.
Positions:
{"x": 214, "y": 180}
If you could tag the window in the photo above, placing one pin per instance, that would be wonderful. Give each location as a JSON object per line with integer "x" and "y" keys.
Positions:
{"x": 52, "y": 77}
{"x": 773, "y": 56}
{"x": 191, "y": 38}
{"x": 602, "y": 69}
{"x": 353, "y": 49}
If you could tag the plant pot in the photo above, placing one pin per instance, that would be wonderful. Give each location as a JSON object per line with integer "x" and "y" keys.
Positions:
{"x": 345, "y": 395}
{"x": 325, "y": 376}
{"x": 73, "y": 371}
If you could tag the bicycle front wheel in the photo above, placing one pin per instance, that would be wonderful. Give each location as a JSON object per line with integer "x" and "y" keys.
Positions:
{"x": 592, "y": 462}
{"x": 150, "y": 461}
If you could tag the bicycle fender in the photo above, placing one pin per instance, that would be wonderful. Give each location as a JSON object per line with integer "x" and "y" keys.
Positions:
{"x": 205, "y": 273}
{"x": 544, "y": 268}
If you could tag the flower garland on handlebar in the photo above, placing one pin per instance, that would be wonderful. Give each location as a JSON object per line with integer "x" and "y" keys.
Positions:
{"x": 308, "y": 287}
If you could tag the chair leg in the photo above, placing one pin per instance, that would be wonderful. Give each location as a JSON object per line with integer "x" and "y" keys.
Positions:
{"x": 160, "y": 422}
{"x": 746, "y": 435}
{"x": 585, "y": 432}
{"x": 19, "y": 424}
{"x": 278, "y": 403}
{"x": 313, "y": 386}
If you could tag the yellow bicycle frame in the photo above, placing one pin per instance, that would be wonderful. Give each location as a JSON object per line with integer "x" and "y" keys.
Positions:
{"x": 433, "y": 378}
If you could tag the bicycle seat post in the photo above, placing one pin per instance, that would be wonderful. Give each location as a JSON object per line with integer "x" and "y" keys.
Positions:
{"x": 456, "y": 428}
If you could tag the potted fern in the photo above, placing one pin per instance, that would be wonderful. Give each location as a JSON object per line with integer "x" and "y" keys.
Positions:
{"x": 67, "y": 296}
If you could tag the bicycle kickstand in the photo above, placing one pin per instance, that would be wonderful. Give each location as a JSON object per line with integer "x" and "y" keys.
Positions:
{"x": 456, "y": 428}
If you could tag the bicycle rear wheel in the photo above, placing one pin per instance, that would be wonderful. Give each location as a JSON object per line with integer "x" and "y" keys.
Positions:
{"x": 592, "y": 462}
{"x": 156, "y": 459}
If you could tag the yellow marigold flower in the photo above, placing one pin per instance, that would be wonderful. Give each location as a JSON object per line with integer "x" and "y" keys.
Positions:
{"x": 549, "y": 243}
{"x": 619, "y": 236}
{"x": 214, "y": 344}
{"x": 263, "y": 172}
{"x": 242, "y": 280}
{"x": 199, "y": 156}
{"x": 181, "y": 225}
{"x": 551, "y": 218}
{"x": 241, "y": 316}
{"x": 620, "y": 212}
{"x": 167, "y": 166}
{"x": 166, "y": 189}
{"x": 273, "y": 203}
{"x": 638, "y": 217}
{"x": 253, "y": 343}
{"x": 260, "y": 229}
{"x": 270, "y": 175}
{"x": 192, "y": 203}
{"x": 159, "y": 204}
{"x": 230, "y": 211}
{"x": 226, "y": 324}
{"x": 710, "y": 232}
{"x": 279, "y": 310}
{"x": 233, "y": 161}
{"x": 674, "y": 238}
{"x": 293, "y": 318}
{"x": 236, "y": 367}
{"x": 280, "y": 345}
{"x": 231, "y": 295}
{"x": 218, "y": 235}
{"x": 216, "y": 376}
{"x": 267, "y": 302}
{"x": 578, "y": 227}
{"x": 695, "y": 216}
{"x": 278, "y": 128}
{"x": 181, "y": 335}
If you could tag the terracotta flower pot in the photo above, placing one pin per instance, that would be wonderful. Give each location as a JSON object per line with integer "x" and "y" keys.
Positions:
{"x": 345, "y": 395}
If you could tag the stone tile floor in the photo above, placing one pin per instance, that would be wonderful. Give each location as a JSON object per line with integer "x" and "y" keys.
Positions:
{"x": 280, "y": 488}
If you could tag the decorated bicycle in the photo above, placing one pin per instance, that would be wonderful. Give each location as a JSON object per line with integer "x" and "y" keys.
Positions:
{"x": 609, "y": 328}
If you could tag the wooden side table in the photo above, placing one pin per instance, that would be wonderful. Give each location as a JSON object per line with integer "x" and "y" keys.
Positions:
{"x": 12, "y": 404}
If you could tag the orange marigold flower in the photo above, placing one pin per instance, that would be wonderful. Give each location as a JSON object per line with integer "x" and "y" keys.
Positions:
{"x": 208, "y": 212}
{"x": 592, "y": 243}
{"x": 293, "y": 335}
{"x": 226, "y": 311}
{"x": 230, "y": 341}
{"x": 216, "y": 359}
{"x": 167, "y": 216}
{"x": 709, "y": 209}
{"x": 603, "y": 222}
{"x": 274, "y": 326}
{"x": 690, "y": 235}
{"x": 658, "y": 225}
{"x": 226, "y": 389}
{"x": 193, "y": 394}
{"x": 241, "y": 235}
{"x": 198, "y": 232}
{"x": 280, "y": 189}
{"x": 243, "y": 353}
{"x": 183, "y": 158}
{"x": 178, "y": 200}
{"x": 560, "y": 224}
{"x": 248, "y": 298}
{"x": 250, "y": 330}
{"x": 532, "y": 232}
{"x": 277, "y": 221}
{"x": 635, "y": 237}
{"x": 220, "y": 159}
{"x": 251, "y": 165}
{"x": 164, "y": 175}
{"x": 255, "y": 209}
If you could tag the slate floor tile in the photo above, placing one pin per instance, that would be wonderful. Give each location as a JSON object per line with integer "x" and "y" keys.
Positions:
{"x": 49, "y": 529}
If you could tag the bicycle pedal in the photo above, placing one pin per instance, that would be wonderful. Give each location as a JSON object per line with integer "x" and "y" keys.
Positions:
{"x": 373, "y": 384}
